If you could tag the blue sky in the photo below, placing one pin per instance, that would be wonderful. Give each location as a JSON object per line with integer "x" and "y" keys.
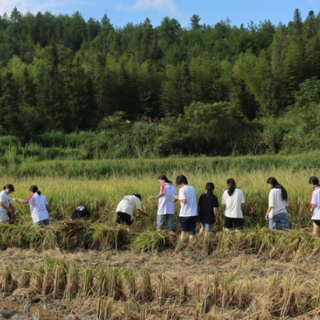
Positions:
{"x": 121, "y": 12}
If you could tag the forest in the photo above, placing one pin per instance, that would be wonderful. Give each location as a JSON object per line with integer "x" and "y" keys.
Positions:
{"x": 164, "y": 90}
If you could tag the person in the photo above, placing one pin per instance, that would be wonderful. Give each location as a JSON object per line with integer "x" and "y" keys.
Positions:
{"x": 79, "y": 213}
{"x": 233, "y": 199}
{"x": 6, "y": 208}
{"x": 315, "y": 204}
{"x": 278, "y": 201}
{"x": 125, "y": 210}
{"x": 208, "y": 207}
{"x": 189, "y": 208}
{"x": 165, "y": 212}
{"x": 39, "y": 206}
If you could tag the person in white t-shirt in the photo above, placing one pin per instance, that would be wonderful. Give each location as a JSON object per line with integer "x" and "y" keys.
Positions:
{"x": 315, "y": 204}
{"x": 189, "y": 207}
{"x": 125, "y": 210}
{"x": 39, "y": 207}
{"x": 278, "y": 201}
{"x": 233, "y": 199}
{"x": 165, "y": 212}
{"x": 6, "y": 208}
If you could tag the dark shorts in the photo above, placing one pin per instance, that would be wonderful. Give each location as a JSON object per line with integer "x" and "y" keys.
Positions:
{"x": 188, "y": 224}
{"x": 317, "y": 222}
{"x": 230, "y": 223}
{"x": 124, "y": 218}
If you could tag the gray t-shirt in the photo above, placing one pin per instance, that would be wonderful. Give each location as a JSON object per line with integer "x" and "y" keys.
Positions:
{"x": 5, "y": 199}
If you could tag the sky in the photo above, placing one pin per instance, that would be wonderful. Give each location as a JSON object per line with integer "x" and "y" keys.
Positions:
{"x": 120, "y": 12}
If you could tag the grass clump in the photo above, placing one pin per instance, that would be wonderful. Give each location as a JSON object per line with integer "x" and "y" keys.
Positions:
{"x": 151, "y": 241}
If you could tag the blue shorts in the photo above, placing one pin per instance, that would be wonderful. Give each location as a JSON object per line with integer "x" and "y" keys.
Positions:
{"x": 42, "y": 223}
{"x": 207, "y": 226}
{"x": 188, "y": 224}
{"x": 165, "y": 218}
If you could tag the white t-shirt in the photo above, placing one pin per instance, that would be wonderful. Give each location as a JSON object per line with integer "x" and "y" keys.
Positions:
{"x": 275, "y": 201}
{"x": 190, "y": 208}
{"x": 315, "y": 199}
{"x": 128, "y": 204}
{"x": 233, "y": 203}
{"x": 38, "y": 207}
{"x": 166, "y": 205}
{"x": 5, "y": 199}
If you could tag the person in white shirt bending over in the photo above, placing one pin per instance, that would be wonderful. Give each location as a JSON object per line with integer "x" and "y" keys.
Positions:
{"x": 166, "y": 206}
{"x": 189, "y": 207}
{"x": 233, "y": 199}
{"x": 39, "y": 207}
{"x": 125, "y": 209}
{"x": 278, "y": 201}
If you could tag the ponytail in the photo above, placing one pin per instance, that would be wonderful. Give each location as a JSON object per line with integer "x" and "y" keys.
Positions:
{"x": 34, "y": 189}
{"x": 209, "y": 188}
{"x": 275, "y": 184}
{"x": 231, "y": 186}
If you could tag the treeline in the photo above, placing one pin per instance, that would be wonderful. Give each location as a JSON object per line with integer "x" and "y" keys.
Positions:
{"x": 200, "y": 90}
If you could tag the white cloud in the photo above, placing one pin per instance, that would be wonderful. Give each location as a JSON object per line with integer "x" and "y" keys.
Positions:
{"x": 145, "y": 5}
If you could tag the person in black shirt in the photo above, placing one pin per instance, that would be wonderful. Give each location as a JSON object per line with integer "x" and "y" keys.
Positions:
{"x": 81, "y": 212}
{"x": 208, "y": 209}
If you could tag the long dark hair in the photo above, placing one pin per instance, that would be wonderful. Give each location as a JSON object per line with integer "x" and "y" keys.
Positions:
{"x": 275, "y": 184}
{"x": 163, "y": 177}
{"x": 34, "y": 189}
{"x": 209, "y": 188}
{"x": 231, "y": 186}
{"x": 9, "y": 186}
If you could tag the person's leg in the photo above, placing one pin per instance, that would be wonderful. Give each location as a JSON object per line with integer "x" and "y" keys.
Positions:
{"x": 316, "y": 226}
{"x": 273, "y": 223}
{"x": 284, "y": 221}
{"x": 170, "y": 222}
{"x": 228, "y": 224}
{"x": 160, "y": 221}
{"x": 238, "y": 224}
{"x": 201, "y": 228}
{"x": 46, "y": 222}
{"x": 192, "y": 227}
{"x": 183, "y": 228}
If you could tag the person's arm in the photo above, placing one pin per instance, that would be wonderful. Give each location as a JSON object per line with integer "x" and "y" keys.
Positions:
{"x": 143, "y": 213}
{"x": 5, "y": 207}
{"x": 243, "y": 204}
{"x": 48, "y": 208}
{"x": 20, "y": 200}
{"x": 267, "y": 213}
{"x": 216, "y": 213}
{"x": 160, "y": 195}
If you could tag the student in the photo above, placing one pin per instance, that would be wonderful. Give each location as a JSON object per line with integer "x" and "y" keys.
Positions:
{"x": 278, "y": 202}
{"x": 125, "y": 210}
{"x": 39, "y": 207}
{"x": 208, "y": 209}
{"x": 165, "y": 212}
{"x": 315, "y": 204}
{"x": 81, "y": 212}
{"x": 233, "y": 199}
{"x": 189, "y": 208}
{"x": 6, "y": 208}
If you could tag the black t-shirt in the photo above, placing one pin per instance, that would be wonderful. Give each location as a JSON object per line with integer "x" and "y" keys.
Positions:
{"x": 206, "y": 204}
{"x": 80, "y": 213}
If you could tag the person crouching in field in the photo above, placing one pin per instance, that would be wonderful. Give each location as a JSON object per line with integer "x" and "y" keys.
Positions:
{"x": 189, "y": 207}
{"x": 315, "y": 204}
{"x": 6, "y": 208}
{"x": 208, "y": 206}
{"x": 80, "y": 213}
{"x": 165, "y": 212}
{"x": 125, "y": 210}
{"x": 39, "y": 207}
{"x": 278, "y": 202}
{"x": 233, "y": 199}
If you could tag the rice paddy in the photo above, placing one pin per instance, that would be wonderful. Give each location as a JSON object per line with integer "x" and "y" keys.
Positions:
{"x": 95, "y": 270}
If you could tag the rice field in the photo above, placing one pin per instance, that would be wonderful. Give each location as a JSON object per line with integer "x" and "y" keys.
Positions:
{"x": 95, "y": 270}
